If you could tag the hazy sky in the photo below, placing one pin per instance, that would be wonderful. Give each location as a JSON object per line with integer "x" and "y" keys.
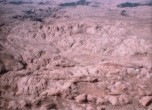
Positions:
{"x": 102, "y": 1}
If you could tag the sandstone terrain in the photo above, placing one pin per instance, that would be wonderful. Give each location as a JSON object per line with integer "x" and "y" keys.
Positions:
{"x": 75, "y": 55}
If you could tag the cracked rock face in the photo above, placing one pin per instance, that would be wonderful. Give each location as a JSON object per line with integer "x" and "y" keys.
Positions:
{"x": 75, "y": 58}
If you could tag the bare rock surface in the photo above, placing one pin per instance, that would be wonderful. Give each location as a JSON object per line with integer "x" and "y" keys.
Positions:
{"x": 145, "y": 100}
{"x": 87, "y": 56}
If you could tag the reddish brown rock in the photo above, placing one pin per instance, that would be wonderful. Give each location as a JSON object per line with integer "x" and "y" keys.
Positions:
{"x": 145, "y": 100}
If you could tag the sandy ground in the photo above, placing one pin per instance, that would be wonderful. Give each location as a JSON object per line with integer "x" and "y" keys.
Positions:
{"x": 75, "y": 58}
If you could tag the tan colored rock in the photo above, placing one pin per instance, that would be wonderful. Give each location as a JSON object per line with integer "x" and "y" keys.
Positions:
{"x": 144, "y": 71}
{"x": 53, "y": 92}
{"x": 25, "y": 103}
{"x": 89, "y": 107}
{"x": 91, "y": 30}
{"x": 141, "y": 92}
{"x": 150, "y": 107}
{"x": 81, "y": 98}
{"x": 12, "y": 105}
{"x": 131, "y": 70}
{"x": 37, "y": 101}
{"x": 117, "y": 84}
{"x": 51, "y": 106}
{"x": 148, "y": 92}
{"x": 148, "y": 76}
{"x": 92, "y": 80}
{"x": 100, "y": 101}
{"x": 123, "y": 99}
{"x": 91, "y": 98}
{"x": 75, "y": 29}
{"x": 114, "y": 92}
{"x": 101, "y": 108}
{"x": 145, "y": 100}
{"x": 113, "y": 100}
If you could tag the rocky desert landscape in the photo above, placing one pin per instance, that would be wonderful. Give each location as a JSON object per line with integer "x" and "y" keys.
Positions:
{"x": 75, "y": 54}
